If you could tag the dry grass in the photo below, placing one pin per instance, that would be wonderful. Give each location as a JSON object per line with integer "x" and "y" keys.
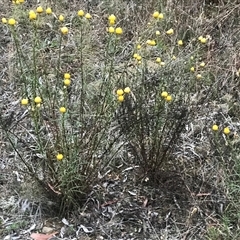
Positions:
{"x": 194, "y": 193}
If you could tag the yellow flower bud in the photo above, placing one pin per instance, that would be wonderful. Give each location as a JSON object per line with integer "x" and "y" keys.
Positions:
{"x": 88, "y": 16}
{"x": 59, "y": 156}
{"x": 37, "y": 100}
{"x": 119, "y": 31}
{"x": 80, "y": 13}
{"x": 49, "y": 11}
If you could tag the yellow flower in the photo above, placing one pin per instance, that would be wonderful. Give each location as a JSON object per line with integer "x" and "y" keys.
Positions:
{"x": 21, "y": 1}
{"x": 202, "y": 64}
{"x": 157, "y": 33}
{"x": 67, "y": 76}
{"x": 180, "y": 42}
{"x": 39, "y": 9}
{"x": 88, "y": 16}
{"x": 198, "y": 76}
{"x": 226, "y": 130}
{"x": 120, "y": 92}
{"x": 151, "y": 42}
{"x": 158, "y": 60}
{"x": 174, "y": 57}
{"x": 135, "y": 55}
{"x": 24, "y": 101}
{"x": 49, "y": 10}
{"x": 139, "y": 62}
{"x": 111, "y": 29}
{"x": 80, "y": 13}
{"x": 121, "y": 98}
{"x": 4, "y": 20}
{"x": 168, "y": 98}
{"x": 59, "y": 157}
{"x": 61, "y": 18}
{"x": 170, "y": 31}
{"x": 160, "y": 16}
{"x": 37, "y": 100}
{"x": 111, "y": 22}
{"x": 62, "y": 109}
{"x": 119, "y": 31}
{"x": 192, "y": 69}
{"x": 164, "y": 94}
{"x": 112, "y": 17}
{"x": 11, "y": 21}
{"x": 215, "y": 127}
{"x": 162, "y": 63}
{"x": 138, "y": 46}
{"x": 155, "y": 14}
{"x": 67, "y": 82}
{"x": 127, "y": 90}
{"x": 139, "y": 58}
{"x": 203, "y": 40}
{"x": 32, "y": 15}
{"x": 64, "y": 30}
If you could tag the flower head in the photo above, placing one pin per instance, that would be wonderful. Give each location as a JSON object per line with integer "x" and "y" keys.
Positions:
{"x": 164, "y": 94}
{"x": 198, "y": 76}
{"x": 67, "y": 82}
{"x": 215, "y": 127}
{"x": 151, "y": 42}
{"x": 119, "y": 31}
{"x": 88, "y": 16}
{"x": 168, "y": 98}
{"x": 32, "y": 15}
{"x": 158, "y": 60}
{"x": 62, "y": 109}
{"x": 121, "y": 98}
{"x": 49, "y": 10}
{"x": 203, "y": 40}
{"x": 111, "y": 22}
{"x": 11, "y": 21}
{"x": 111, "y": 29}
{"x": 4, "y": 20}
{"x": 226, "y": 130}
{"x": 157, "y": 33}
{"x": 139, "y": 46}
{"x": 162, "y": 63}
{"x": 192, "y": 69}
{"x": 180, "y": 42}
{"x": 39, "y": 9}
{"x": 24, "y": 101}
{"x": 202, "y": 64}
{"x": 127, "y": 90}
{"x": 61, "y": 18}
{"x": 170, "y": 31}
{"x": 67, "y": 76}
{"x": 155, "y": 14}
{"x": 120, "y": 92}
{"x": 160, "y": 16}
{"x": 135, "y": 55}
{"x": 81, "y": 13}
{"x": 37, "y": 100}
{"x": 174, "y": 57}
{"x": 139, "y": 58}
{"x": 64, "y": 30}
{"x": 59, "y": 157}
{"x": 112, "y": 18}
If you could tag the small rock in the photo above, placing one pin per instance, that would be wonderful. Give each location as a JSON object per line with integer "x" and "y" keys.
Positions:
{"x": 47, "y": 230}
